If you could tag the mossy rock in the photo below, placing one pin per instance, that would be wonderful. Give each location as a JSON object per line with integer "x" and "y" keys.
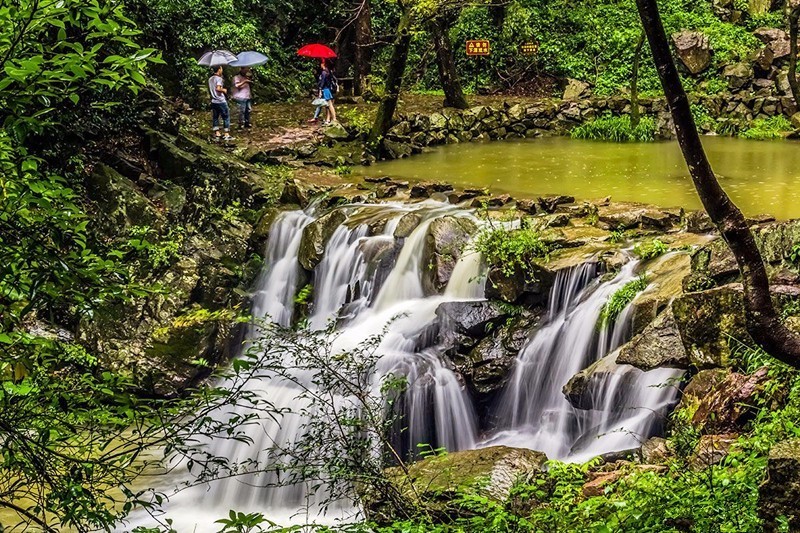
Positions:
{"x": 444, "y": 243}
{"x": 120, "y": 202}
{"x": 708, "y": 321}
{"x": 777, "y": 496}
{"x": 316, "y": 236}
{"x": 488, "y": 472}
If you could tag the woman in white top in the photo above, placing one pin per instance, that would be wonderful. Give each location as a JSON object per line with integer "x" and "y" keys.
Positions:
{"x": 242, "y": 95}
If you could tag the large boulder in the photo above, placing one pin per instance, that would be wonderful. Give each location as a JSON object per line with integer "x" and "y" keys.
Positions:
{"x": 575, "y": 89}
{"x": 462, "y": 324}
{"x": 120, "y": 202}
{"x": 738, "y": 75}
{"x": 693, "y": 49}
{"x": 487, "y": 367}
{"x": 659, "y": 345}
{"x": 776, "y": 40}
{"x": 584, "y": 388}
{"x": 444, "y": 243}
{"x": 721, "y": 401}
{"x": 316, "y": 236}
{"x": 777, "y": 496}
{"x": 707, "y": 321}
{"x": 487, "y": 472}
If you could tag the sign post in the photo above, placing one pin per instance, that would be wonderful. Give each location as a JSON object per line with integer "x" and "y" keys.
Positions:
{"x": 529, "y": 48}
{"x": 477, "y": 48}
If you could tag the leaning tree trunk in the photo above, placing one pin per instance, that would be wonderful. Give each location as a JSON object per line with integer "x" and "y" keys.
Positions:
{"x": 795, "y": 86}
{"x": 363, "y": 52}
{"x": 448, "y": 76}
{"x": 637, "y": 59}
{"x": 394, "y": 80}
{"x": 763, "y": 322}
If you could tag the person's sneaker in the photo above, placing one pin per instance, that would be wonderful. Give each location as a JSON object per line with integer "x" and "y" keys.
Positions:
{"x": 326, "y": 122}
{"x": 313, "y": 120}
{"x": 248, "y": 126}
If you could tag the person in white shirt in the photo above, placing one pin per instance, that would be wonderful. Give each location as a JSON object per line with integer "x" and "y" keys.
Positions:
{"x": 242, "y": 95}
{"x": 219, "y": 105}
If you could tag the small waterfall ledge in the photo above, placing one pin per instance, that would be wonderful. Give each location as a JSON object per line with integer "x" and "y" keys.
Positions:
{"x": 375, "y": 274}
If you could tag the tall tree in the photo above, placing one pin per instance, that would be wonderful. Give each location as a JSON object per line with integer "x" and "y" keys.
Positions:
{"x": 362, "y": 61}
{"x": 394, "y": 79}
{"x": 794, "y": 15}
{"x": 763, "y": 323}
{"x": 637, "y": 60}
{"x": 448, "y": 76}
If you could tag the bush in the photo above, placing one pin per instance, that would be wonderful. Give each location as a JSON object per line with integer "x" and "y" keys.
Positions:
{"x": 767, "y": 129}
{"x": 511, "y": 250}
{"x": 616, "y": 129}
{"x": 621, "y": 299}
{"x": 650, "y": 250}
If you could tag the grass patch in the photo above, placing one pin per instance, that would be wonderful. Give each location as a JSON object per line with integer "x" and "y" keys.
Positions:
{"x": 621, "y": 299}
{"x": 650, "y": 250}
{"x": 616, "y": 129}
{"x": 767, "y": 129}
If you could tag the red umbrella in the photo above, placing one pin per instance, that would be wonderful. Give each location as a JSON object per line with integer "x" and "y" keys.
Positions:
{"x": 317, "y": 51}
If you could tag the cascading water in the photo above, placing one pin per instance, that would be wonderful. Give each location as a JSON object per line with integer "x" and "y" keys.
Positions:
{"x": 370, "y": 281}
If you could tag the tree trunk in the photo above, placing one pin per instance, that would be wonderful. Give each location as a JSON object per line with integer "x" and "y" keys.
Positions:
{"x": 637, "y": 58}
{"x": 763, "y": 323}
{"x": 394, "y": 81}
{"x": 448, "y": 76}
{"x": 363, "y": 53}
{"x": 793, "y": 18}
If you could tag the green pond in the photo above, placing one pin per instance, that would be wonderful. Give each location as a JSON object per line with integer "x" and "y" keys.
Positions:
{"x": 762, "y": 177}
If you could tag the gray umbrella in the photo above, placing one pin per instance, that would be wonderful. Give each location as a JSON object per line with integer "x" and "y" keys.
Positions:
{"x": 249, "y": 59}
{"x": 216, "y": 57}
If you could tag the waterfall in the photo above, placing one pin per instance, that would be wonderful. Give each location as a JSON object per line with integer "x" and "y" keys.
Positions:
{"x": 369, "y": 281}
{"x": 533, "y": 412}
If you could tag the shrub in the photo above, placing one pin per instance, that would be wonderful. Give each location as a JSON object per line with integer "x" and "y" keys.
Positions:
{"x": 616, "y": 129}
{"x": 767, "y": 129}
{"x": 620, "y": 299}
{"x": 511, "y": 250}
{"x": 650, "y": 250}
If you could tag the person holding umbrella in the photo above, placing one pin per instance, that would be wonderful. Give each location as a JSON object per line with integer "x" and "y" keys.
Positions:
{"x": 242, "y": 83}
{"x": 327, "y": 81}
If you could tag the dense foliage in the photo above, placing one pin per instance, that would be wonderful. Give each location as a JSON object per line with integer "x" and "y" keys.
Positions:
{"x": 616, "y": 129}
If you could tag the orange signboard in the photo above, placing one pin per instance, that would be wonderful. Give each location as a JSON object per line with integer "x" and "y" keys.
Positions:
{"x": 478, "y": 48}
{"x": 529, "y": 49}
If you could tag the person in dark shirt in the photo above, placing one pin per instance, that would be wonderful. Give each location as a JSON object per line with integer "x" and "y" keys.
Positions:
{"x": 327, "y": 90}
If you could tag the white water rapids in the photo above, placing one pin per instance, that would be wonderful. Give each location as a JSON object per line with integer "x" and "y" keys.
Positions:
{"x": 370, "y": 280}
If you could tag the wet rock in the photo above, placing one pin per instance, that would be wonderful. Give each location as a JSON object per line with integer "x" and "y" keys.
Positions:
{"x": 598, "y": 481}
{"x": 559, "y": 220}
{"x": 262, "y": 227}
{"x": 529, "y": 288}
{"x": 776, "y": 39}
{"x": 121, "y": 203}
{"x": 777, "y": 496}
{"x": 397, "y": 149}
{"x": 297, "y": 192}
{"x": 729, "y": 403}
{"x": 385, "y": 191}
{"x": 659, "y": 345}
{"x": 575, "y": 89}
{"x": 712, "y": 449}
{"x": 316, "y": 236}
{"x": 693, "y": 49}
{"x": 406, "y": 225}
{"x": 527, "y": 206}
{"x": 426, "y": 188}
{"x": 489, "y": 472}
{"x": 462, "y": 196}
{"x": 438, "y": 122}
{"x": 549, "y": 204}
{"x": 699, "y": 222}
{"x": 500, "y": 200}
{"x": 738, "y": 75}
{"x": 583, "y": 389}
{"x": 336, "y": 132}
{"x": 487, "y": 368}
{"x": 447, "y": 236}
{"x": 463, "y": 324}
{"x": 707, "y": 321}
{"x": 656, "y": 451}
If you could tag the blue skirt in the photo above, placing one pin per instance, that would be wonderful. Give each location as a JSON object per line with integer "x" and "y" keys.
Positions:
{"x": 326, "y": 94}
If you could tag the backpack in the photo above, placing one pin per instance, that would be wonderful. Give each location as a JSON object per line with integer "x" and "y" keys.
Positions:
{"x": 334, "y": 84}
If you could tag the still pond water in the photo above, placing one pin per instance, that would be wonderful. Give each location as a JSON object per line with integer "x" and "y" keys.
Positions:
{"x": 760, "y": 176}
